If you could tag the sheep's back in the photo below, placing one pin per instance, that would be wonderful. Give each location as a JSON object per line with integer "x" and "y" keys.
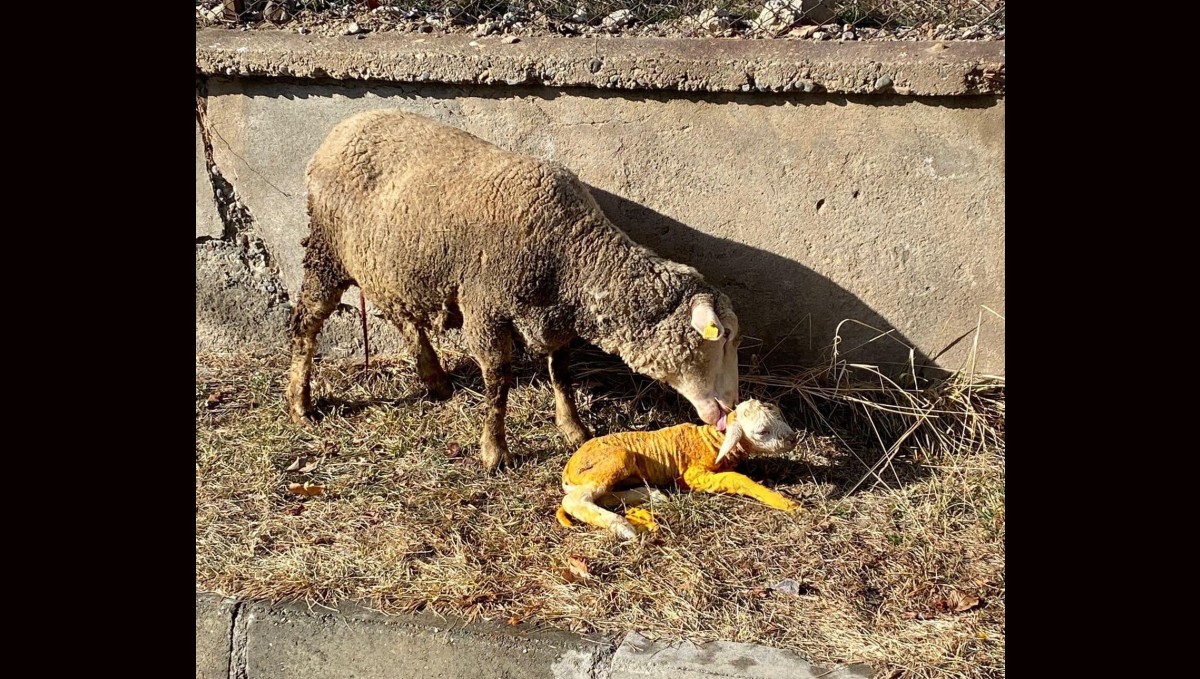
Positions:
{"x": 406, "y": 202}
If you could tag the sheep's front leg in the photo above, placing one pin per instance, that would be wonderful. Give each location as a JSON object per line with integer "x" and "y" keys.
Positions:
{"x": 566, "y": 416}
{"x": 738, "y": 484}
{"x": 492, "y": 347}
{"x": 319, "y": 294}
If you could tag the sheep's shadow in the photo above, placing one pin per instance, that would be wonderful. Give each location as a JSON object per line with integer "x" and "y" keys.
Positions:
{"x": 761, "y": 283}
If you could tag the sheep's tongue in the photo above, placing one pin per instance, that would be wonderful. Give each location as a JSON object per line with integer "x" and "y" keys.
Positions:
{"x": 721, "y": 423}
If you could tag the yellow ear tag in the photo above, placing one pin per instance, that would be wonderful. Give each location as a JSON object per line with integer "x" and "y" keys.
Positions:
{"x": 711, "y": 332}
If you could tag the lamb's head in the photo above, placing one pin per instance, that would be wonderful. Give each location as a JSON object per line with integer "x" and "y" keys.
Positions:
{"x": 758, "y": 427}
{"x": 707, "y": 375}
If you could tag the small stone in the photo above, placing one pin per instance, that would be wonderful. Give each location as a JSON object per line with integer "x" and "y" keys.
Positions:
{"x": 619, "y": 19}
{"x": 352, "y": 28}
{"x": 849, "y": 35}
{"x": 778, "y": 16}
{"x": 820, "y": 35}
{"x": 275, "y": 13}
{"x": 487, "y": 28}
{"x": 882, "y": 82}
{"x": 303, "y": 31}
{"x": 510, "y": 39}
{"x": 595, "y": 64}
{"x": 714, "y": 20}
{"x": 474, "y": 43}
{"x": 789, "y": 586}
{"x": 746, "y": 87}
{"x": 805, "y": 32}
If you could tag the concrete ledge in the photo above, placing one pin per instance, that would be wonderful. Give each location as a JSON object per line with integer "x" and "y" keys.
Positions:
{"x": 255, "y": 640}
{"x": 686, "y": 65}
{"x": 639, "y": 657}
{"x": 214, "y": 630}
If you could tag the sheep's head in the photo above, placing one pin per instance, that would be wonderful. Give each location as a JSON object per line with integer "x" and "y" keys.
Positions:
{"x": 757, "y": 427}
{"x": 708, "y": 375}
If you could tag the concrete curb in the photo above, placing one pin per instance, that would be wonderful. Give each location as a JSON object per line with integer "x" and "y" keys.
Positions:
{"x": 249, "y": 640}
{"x": 687, "y": 65}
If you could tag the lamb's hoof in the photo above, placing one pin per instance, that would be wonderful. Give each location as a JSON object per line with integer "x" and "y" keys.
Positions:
{"x": 624, "y": 530}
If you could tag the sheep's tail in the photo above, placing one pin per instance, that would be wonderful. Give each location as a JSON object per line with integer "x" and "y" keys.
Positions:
{"x": 563, "y": 518}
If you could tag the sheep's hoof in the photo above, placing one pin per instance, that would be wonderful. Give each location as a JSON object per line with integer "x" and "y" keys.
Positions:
{"x": 439, "y": 390}
{"x": 492, "y": 454}
{"x": 624, "y": 530}
{"x": 300, "y": 417}
{"x": 575, "y": 434}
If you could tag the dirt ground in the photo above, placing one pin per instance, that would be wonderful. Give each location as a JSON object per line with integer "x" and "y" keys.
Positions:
{"x": 902, "y": 568}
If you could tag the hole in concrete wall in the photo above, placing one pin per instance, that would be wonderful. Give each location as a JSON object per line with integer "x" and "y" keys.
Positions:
{"x": 820, "y": 205}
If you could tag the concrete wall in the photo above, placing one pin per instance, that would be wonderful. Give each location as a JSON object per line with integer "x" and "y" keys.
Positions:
{"x": 807, "y": 208}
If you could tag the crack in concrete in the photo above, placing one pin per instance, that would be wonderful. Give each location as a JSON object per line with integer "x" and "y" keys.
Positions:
{"x": 237, "y": 643}
{"x": 237, "y": 221}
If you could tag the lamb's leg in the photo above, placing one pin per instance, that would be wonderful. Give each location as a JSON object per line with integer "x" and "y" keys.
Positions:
{"x": 738, "y": 484}
{"x": 630, "y": 498}
{"x": 492, "y": 346}
{"x": 319, "y": 295}
{"x": 592, "y": 471}
{"x": 566, "y": 416}
{"x": 580, "y": 503}
{"x": 429, "y": 368}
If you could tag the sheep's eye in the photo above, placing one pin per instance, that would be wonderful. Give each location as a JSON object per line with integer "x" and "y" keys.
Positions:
{"x": 761, "y": 433}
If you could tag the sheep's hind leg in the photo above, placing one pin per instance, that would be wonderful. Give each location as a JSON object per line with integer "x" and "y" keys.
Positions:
{"x": 319, "y": 295}
{"x": 429, "y": 368}
{"x": 492, "y": 347}
{"x": 566, "y": 416}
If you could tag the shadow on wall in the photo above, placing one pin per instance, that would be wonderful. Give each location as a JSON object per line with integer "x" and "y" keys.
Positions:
{"x": 759, "y": 282}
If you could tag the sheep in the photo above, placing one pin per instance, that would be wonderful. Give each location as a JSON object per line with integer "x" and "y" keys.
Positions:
{"x": 440, "y": 229}
{"x": 695, "y": 457}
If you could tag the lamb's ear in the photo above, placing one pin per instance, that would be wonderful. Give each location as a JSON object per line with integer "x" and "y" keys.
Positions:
{"x": 705, "y": 321}
{"x": 733, "y": 434}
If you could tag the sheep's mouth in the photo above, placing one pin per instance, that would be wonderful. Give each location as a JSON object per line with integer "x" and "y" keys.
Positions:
{"x": 723, "y": 421}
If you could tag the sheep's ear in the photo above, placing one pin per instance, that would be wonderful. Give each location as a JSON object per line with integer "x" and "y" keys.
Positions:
{"x": 705, "y": 321}
{"x": 733, "y": 434}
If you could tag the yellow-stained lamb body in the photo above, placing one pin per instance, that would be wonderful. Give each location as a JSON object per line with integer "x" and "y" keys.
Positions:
{"x": 698, "y": 457}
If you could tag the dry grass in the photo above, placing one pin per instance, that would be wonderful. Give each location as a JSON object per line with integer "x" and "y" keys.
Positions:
{"x": 904, "y": 491}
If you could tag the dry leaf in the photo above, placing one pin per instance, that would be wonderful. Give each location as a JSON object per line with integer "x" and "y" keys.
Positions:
{"x": 514, "y": 621}
{"x": 294, "y": 466}
{"x": 307, "y": 489}
{"x": 294, "y": 510}
{"x": 960, "y": 603}
{"x": 578, "y": 569}
{"x": 453, "y": 449}
{"x": 310, "y": 466}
